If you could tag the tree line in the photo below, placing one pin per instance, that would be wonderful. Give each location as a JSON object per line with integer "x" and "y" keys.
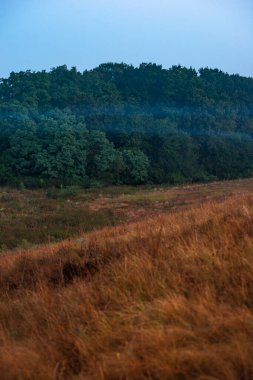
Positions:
{"x": 119, "y": 124}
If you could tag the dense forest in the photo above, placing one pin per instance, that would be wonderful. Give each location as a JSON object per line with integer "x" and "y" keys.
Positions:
{"x": 118, "y": 124}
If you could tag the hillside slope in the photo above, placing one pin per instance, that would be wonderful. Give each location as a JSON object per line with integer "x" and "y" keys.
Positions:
{"x": 166, "y": 298}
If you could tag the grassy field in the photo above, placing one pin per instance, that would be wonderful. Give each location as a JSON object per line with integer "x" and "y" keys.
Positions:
{"x": 167, "y": 293}
{"x": 29, "y": 218}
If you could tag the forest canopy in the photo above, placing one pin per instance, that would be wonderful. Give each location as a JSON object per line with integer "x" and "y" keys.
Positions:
{"x": 120, "y": 124}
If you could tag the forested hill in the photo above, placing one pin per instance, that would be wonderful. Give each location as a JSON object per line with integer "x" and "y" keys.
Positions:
{"x": 120, "y": 124}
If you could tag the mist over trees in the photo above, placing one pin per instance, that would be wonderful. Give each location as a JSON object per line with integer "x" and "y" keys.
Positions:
{"x": 117, "y": 124}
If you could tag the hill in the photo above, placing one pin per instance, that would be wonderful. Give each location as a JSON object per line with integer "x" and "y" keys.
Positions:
{"x": 119, "y": 124}
{"x": 168, "y": 297}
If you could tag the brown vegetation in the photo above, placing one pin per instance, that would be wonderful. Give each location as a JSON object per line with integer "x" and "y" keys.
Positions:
{"x": 169, "y": 298}
{"x": 32, "y": 217}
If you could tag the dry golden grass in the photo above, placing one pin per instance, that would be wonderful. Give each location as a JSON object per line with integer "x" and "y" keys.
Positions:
{"x": 31, "y": 217}
{"x": 167, "y": 298}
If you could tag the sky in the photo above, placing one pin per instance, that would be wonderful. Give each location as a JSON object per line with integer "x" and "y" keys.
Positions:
{"x": 42, "y": 34}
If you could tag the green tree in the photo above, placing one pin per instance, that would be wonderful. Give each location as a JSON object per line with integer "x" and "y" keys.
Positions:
{"x": 101, "y": 156}
{"x": 64, "y": 147}
{"x": 136, "y": 167}
{"x": 24, "y": 149}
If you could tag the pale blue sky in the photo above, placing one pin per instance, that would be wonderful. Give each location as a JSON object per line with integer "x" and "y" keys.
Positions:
{"x": 41, "y": 34}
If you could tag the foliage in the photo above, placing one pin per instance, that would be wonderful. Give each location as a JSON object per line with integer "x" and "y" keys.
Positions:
{"x": 136, "y": 166}
{"x": 120, "y": 124}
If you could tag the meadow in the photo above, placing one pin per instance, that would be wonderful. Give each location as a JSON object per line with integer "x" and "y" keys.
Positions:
{"x": 162, "y": 289}
{"x": 32, "y": 217}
